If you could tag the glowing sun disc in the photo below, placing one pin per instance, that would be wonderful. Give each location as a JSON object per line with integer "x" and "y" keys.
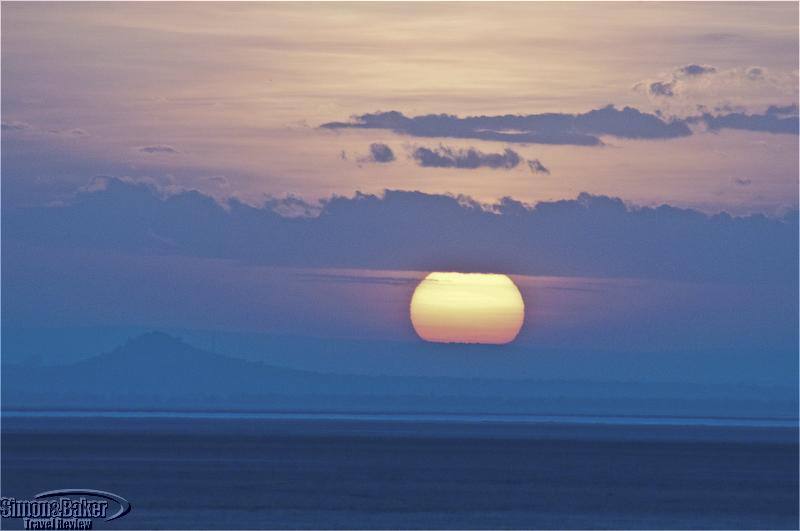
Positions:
{"x": 467, "y": 308}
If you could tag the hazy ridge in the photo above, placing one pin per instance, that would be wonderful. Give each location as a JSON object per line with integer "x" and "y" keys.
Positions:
{"x": 156, "y": 371}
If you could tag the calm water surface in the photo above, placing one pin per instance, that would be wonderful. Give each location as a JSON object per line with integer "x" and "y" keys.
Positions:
{"x": 351, "y": 471}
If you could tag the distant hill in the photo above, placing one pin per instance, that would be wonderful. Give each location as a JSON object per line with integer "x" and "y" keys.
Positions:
{"x": 158, "y": 371}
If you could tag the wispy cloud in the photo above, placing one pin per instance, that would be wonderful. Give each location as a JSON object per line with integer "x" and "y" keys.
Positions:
{"x": 158, "y": 149}
{"x": 537, "y": 167}
{"x": 572, "y": 129}
{"x": 357, "y": 279}
{"x": 750, "y": 87}
{"x": 15, "y": 126}
{"x": 755, "y": 73}
{"x": 671, "y": 84}
{"x": 696, "y": 70}
{"x": 550, "y": 128}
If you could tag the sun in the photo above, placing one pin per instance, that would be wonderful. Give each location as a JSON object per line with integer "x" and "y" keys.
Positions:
{"x": 467, "y": 308}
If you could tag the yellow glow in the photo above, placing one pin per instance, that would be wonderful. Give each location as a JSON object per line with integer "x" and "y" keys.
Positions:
{"x": 467, "y": 308}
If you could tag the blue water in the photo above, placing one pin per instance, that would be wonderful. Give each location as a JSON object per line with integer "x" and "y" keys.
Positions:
{"x": 423, "y": 417}
{"x": 315, "y": 470}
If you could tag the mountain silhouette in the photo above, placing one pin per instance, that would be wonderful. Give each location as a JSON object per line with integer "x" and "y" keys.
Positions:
{"x": 159, "y": 371}
{"x": 163, "y": 365}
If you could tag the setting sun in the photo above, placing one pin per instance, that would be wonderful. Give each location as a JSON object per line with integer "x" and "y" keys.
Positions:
{"x": 467, "y": 308}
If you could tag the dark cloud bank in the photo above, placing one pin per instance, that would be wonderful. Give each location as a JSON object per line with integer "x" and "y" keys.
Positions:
{"x": 572, "y": 129}
{"x": 586, "y": 236}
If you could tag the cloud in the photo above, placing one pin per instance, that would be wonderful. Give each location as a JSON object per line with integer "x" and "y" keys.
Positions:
{"x": 23, "y": 126}
{"x": 471, "y": 158}
{"x": 705, "y": 83}
{"x": 783, "y": 110}
{"x": 160, "y": 186}
{"x": 742, "y": 182}
{"x": 750, "y": 87}
{"x": 14, "y": 126}
{"x": 755, "y": 73}
{"x": 696, "y": 70}
{"x": 719, "y": 37}
{"x": 587, "y": 236}
{"x": 537, "y": 167}
{"x": 220, "y": 181}
{"x": 571, "y": 129}
{"x": 668, "y": 88}
{"x": 776, "y": 119}
{"x": 76, "y": 131}
{"x": 380, "y": 153}
{"x": 660, "y": 88}
{"x": 158, "y": 149}
{"x": 357, "y": 279}
{"x": 550, "y": 128}
{"x": 291, "y": 206}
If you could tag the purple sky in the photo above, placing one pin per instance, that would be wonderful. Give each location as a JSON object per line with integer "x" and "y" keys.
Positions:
{"x": 223, "y": 167}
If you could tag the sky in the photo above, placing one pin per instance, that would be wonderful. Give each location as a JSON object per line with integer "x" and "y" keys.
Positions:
{"x": 229, "y": 98}
{"x": 296, "y": 169}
